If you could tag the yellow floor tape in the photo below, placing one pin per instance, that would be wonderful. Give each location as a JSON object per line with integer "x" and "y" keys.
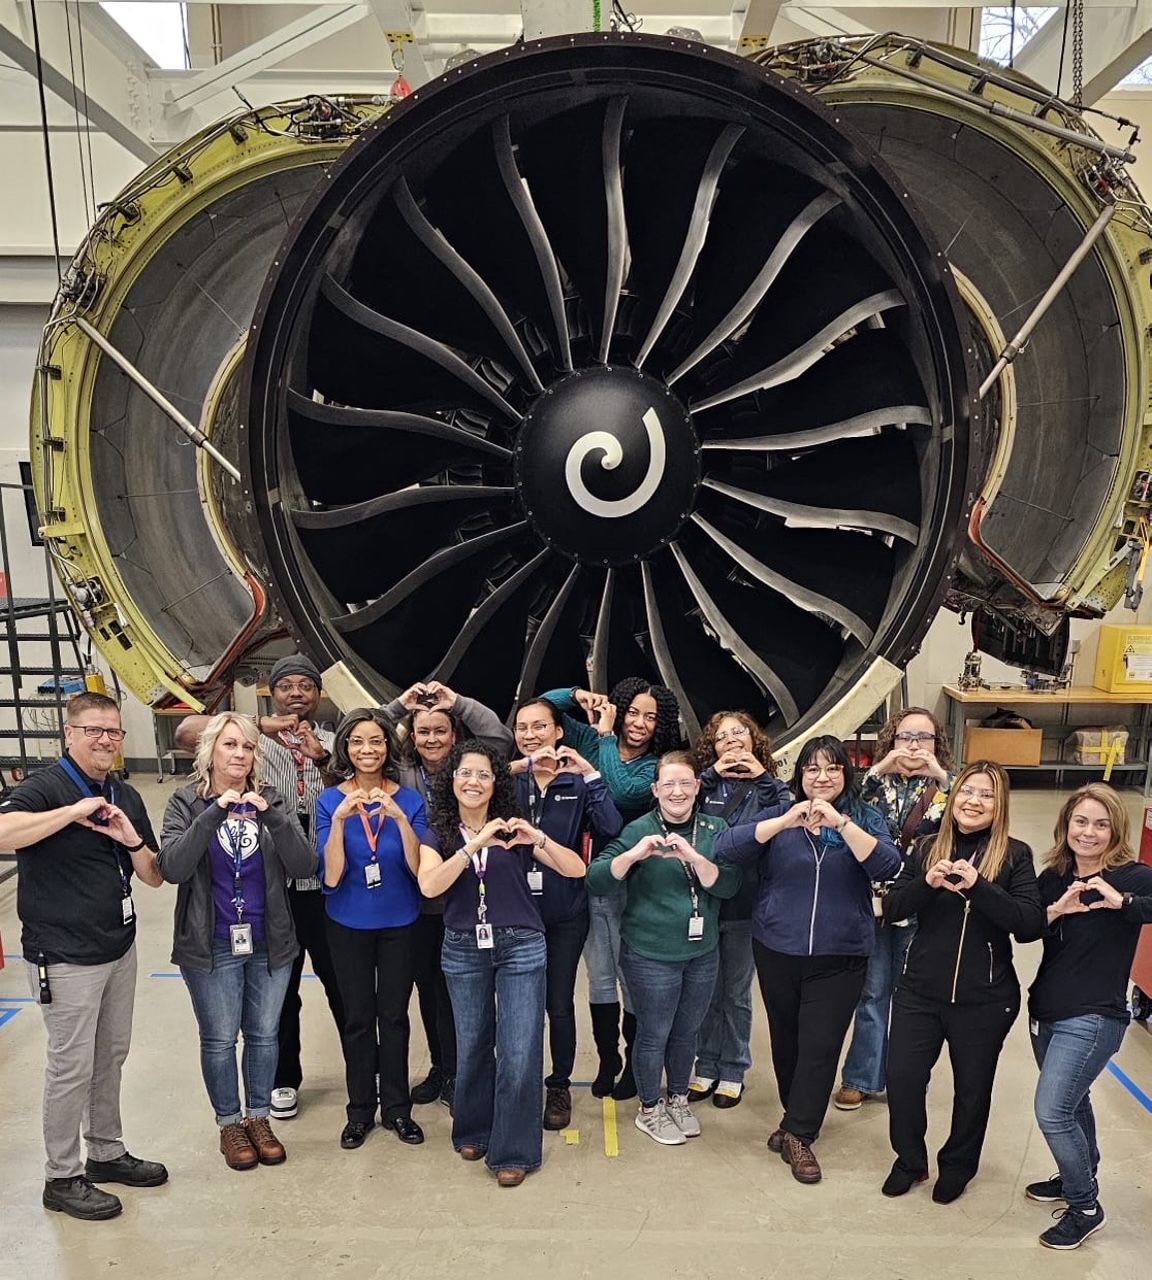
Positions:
{"x": 611, "y": 1146}
{"x": 571, "y": 1137}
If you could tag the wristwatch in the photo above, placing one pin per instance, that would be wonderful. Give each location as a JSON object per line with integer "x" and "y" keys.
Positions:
{"x": 1129, "y": 898}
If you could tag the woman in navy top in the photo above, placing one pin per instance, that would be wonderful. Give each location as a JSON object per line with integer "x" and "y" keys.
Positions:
{"x": 368, "y": 831}
{"x": 566, "y": 797}
{"x": 479, "y": 854}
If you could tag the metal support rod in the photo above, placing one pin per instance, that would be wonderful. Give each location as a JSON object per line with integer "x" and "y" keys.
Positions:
{"x": 1086, "y": 140}
{"x": 1015, "y": 345}
{"x": 157, "y": 397}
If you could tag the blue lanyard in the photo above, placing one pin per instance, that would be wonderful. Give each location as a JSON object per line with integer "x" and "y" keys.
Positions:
{"x": 85, "y": 787}
{"x": 233, "y": 843}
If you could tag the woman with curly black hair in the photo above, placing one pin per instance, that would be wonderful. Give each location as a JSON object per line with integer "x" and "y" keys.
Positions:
{"x": 738, "y": 783}
{"x": 479, "y": 854}
{"x": 649, "y": 720}
{"x": 812, "y": 931}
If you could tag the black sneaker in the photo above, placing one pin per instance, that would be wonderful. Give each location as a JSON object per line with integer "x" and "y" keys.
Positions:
{"x": 78, "y": 1198}
{"x": 428, "y": 1090}
{"x": 448, "y": 1093}
{"x": 1046, "y": 1192}
{"x": 1074, "y": 1227}
{"x": 128, "y": 1169}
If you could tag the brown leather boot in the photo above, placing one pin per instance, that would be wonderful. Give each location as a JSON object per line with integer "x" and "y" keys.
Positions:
{"x": 558, "y": 1109}
{"x": 267, "y": 1144}
{"x": 236, "y": 1147}
{"x": 805, "y": 1167}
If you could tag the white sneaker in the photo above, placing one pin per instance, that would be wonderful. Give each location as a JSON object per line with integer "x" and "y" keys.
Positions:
{"x": 681, "y": 1115}
{"x": 284, "y": 1104}
{"x": 658, "y": 1125}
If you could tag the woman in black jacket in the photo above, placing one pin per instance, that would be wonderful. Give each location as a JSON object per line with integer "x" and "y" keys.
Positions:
{"x": 1097, "y": 897}
{"x": 970, "y": 886}
{"x": 231, "y": 845}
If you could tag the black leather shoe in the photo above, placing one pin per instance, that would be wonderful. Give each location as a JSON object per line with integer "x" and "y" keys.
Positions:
{"x": 355, "y": 1131}
{"x": 78, "y": 1198}
{"x": 406, "y": 1129}
{"x": 428, "y": 1090}
{"x": 948, "y": 1189}
{"x": 128, "y": 1169}
{"x": 900, "y": 1181}
{"x": 725, "y": 1101}
{"x": 448, "y": 1092}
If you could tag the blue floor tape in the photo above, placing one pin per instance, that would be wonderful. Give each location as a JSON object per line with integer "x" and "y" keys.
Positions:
{"x": 1133, "y": 1088}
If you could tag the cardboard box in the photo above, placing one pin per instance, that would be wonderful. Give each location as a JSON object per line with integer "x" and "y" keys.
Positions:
{"x": 1124, "y": 660}
{"x": 1004, "y": 746}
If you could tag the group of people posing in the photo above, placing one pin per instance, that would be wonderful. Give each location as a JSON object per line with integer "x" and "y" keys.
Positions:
{"x": 425, "y": 843}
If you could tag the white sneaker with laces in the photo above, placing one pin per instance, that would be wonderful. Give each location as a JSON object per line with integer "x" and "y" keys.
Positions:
{"x": 284, "y": 1104}
{"x": 659, "y": 1126}
{"x": 681, "y": 1115}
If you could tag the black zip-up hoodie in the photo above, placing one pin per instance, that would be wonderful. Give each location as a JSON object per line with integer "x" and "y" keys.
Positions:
{"x": 962, "y": 951}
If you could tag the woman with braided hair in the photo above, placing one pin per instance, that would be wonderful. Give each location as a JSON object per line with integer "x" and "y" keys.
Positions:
{"x": 622, "y": 735}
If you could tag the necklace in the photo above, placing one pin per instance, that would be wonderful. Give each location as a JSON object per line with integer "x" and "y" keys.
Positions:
{"x": 472, "y": 831}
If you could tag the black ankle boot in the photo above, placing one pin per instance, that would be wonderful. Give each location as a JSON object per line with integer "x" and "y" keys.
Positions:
{"x": 606, "y": 1034}
{"x": 626, "y": 1085}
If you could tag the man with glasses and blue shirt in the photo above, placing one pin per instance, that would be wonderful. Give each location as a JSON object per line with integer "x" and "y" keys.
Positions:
{"x": 80, "y": 835}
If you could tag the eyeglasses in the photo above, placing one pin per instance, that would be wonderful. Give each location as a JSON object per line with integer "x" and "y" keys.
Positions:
{"x": 915, "y": 737}
{"x": 481, "y": 775}
{"x": 971, "y": 793}
{"x": 669, "y": 785}
{"x": 730, "y": 733}
{"x": 302, "y": 686}
{"x": 540, "y": 727}
{"x": 830, "y": 770}
{"x": 94, "y": 731}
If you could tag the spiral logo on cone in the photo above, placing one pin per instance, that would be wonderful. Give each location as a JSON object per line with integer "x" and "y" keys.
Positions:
{"x": 607, "y": 465}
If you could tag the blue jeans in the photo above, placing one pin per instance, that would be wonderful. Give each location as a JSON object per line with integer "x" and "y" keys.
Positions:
{"x": 1071, "y": 1053}
{"x": 239, "y": 995}
{"x": 498, "y": 1006}
{"x": 671, "y": 998}
{"x": 724, "y": 1049}
{"x": 602, "y": 949}
{"x": 866, "y": 1066}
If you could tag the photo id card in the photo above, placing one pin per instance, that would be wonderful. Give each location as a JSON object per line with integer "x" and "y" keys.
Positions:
{"x": 127, "y": 909}
{"x": 240, "y": 936}
{"x": 536, "y": 880}
{"x": 695, "y": 928}
{"x": 484, "y": 937}
{"x": 372, "y": 875}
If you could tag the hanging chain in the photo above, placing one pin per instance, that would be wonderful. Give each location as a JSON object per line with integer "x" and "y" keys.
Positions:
{"x": 1077, "y": 53}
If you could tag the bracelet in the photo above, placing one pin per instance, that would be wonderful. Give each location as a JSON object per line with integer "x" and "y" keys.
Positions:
{"x": 463, "y": 852}
{"x": 841, "y": 827}
{"x": 542, "y": 841}
{"x": 135, "y": 848}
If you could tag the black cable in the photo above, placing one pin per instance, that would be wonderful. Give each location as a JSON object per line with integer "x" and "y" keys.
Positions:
{"x": 1012, "y": 38}
{"x": 89, "y": 201}
{"x": 87, "y": 105}
{"x": 47, "y": 140}
{"x": 1063, "y": 48}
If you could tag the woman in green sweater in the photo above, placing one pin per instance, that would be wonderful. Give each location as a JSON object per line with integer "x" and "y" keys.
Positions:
{"x": 669, "y": 935}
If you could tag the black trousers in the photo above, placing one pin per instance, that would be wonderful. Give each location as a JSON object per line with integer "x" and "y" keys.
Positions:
{"x": 435, "y": 1002}
{"x": 974, "y": 1034}
{"x": 312, "y": 933}
{"x": 374, "y": 969}
{"x": 810, "y": 1002}
{"x": 565, "y": 943}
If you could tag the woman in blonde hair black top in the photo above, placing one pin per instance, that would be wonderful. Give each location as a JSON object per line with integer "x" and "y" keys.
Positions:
{"x": 971, "y": 887}
{"x": 1096, "y": 897}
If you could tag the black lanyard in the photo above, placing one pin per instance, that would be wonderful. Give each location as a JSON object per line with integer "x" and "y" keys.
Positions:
{"x": 684, "y": 866}
{"x": 85, "y": 785}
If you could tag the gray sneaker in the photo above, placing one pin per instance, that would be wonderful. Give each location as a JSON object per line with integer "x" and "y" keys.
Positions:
{"x": 681, "y": 1115}
{"x": 659, "y": 1126}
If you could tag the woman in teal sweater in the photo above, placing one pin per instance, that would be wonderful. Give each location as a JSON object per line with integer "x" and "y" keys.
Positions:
{"x": 669, "y": 935}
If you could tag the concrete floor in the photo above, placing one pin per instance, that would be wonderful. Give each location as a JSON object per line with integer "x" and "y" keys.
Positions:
{"x": 721, "y": 1206}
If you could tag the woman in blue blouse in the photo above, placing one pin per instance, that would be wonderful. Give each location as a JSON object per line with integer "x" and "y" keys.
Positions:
{"x": 368, "y": 831}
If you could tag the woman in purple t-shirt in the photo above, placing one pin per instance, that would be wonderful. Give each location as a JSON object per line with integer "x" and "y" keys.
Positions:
{"x": 230, "y": 844}
{"x": 481, "y": 855}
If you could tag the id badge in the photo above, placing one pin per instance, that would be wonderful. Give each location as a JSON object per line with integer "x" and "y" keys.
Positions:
{"x": 1034, "y": 1026}
{"x": 536, "y": 880}
{"x": 372, "y": 875}
{"x": 240, "y": 935}
{"x": 127, "y": 909}
{"x": 484, "y": 937}
{"x": 695, "y": 928}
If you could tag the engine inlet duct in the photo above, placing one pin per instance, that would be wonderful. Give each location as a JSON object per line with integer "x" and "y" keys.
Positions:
{"x": 612, "y": 355}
